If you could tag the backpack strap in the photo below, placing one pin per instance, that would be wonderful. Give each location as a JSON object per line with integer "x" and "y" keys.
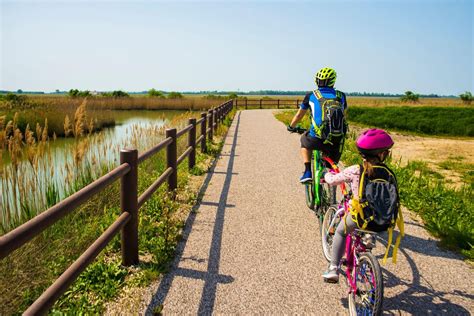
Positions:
{"x": 318, "y": 95}
{"x": 357, "y": 206}
{"x": 401, "y": 228}
{"x": 321, "y": 100}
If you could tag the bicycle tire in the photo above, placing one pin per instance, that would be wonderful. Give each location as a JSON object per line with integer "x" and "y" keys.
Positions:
{"x": 309, "y": 195}
{"x": 328, "y": 231}
{"x": 357, "y": 301}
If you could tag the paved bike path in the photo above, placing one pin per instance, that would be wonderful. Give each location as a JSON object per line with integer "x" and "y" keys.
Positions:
{"x": 253, "y": 247}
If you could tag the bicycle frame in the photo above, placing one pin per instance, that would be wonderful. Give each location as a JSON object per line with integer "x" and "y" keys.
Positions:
{"x": 318, "y": 168}
{"x": 353, "y": 247}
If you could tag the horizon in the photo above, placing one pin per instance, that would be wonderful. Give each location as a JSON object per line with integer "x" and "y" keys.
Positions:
{"x": 238, "y": 46}
{"x": 224, "y": 92}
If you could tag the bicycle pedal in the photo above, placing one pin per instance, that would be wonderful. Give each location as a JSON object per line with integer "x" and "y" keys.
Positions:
{"x": 331, "y": 281}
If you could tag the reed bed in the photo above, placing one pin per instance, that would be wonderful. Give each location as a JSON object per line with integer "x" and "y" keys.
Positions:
{"x": 130, "y": 103}
{"x": 30, "y": 111}
{"x": 38, "y": 175}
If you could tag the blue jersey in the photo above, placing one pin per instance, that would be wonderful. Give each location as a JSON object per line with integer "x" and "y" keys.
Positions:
{"x": 311, "y": 102}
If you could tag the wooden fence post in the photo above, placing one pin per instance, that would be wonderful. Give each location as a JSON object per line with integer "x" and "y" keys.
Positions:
{"x": 203, "y": 131}
{"x": 278, "y": 103}
{"x": 260, "y": 103}
{"x": 171, "y": 157}
{"x": 246, "y": 106}
{"x": 192, "y": 143}
{"x": 214, "y": 120}
{"x": 211, "y": 127}
{"x": 129, "y": 203}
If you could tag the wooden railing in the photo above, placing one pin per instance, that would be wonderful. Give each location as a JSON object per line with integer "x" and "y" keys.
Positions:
{"x": 267, "y": 103}
{"x": 130, "y": 202}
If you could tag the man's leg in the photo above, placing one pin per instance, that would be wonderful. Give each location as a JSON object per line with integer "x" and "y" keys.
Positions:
{"x": 306, "y": 155}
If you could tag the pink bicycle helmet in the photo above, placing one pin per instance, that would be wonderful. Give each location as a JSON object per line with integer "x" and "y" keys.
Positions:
{"x": 374, "y": 141}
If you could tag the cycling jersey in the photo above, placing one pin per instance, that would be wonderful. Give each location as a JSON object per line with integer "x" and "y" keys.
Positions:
{"x": 311, "y": 102}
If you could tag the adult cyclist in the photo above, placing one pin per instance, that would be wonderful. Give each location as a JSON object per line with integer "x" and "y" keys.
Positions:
{"x": 328, "y": 126}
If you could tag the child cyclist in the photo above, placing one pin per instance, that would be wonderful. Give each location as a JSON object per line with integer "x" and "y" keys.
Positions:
{"x": 374, "y": 146}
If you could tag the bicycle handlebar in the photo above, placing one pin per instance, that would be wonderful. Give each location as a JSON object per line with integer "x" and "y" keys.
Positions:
{"x": 296, "y": 129}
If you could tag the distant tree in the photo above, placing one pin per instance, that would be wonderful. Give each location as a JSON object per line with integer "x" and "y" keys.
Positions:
{"x": 19, "y": 91}
{"x": 120, "y": 94}
{"x": 73, "y": 93}
{"x": 57, "y": 91}
{"x": 466, "y": 97}
{"x": 175, "y": 95}
{"x": 155, "y": 93}
{"x": 410, "y": 96}
{"x": 233, "y": 95}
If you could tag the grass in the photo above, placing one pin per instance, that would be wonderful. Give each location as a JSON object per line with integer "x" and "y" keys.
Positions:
{"x": 28, "y": 271}
{"x": 428, "y": 120}
{"x": 447, "y": 213}
{"x": 396, "y": 102}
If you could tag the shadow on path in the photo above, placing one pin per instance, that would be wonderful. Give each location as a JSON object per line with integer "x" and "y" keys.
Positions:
{"x": 211, "y": 277}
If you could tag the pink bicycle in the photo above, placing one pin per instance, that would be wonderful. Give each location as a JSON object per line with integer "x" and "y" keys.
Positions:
{"x": 362, "y": 270}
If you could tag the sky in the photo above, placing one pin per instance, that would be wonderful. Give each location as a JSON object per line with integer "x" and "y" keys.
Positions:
{"x": 375, "y": 46}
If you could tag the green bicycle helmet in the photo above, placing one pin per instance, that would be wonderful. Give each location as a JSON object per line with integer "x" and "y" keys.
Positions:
{"x": 326, "y": 77}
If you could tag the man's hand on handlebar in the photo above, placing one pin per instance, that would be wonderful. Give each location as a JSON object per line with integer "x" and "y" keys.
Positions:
{"x": 296, "y": 129}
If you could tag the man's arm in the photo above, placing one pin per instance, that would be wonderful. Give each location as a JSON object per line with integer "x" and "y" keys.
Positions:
{"x": 298, "y": 117}
{"x": 301, "y": 112}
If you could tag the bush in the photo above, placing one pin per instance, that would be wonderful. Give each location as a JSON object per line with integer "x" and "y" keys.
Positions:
{"x": 74, "y": 93}
{"x": 410, "y": 96}
{"x": 466, "y": 97}
{"x": 233, "y": 96}
{"x": 120, "y": 94}
{"x": 175, "y": 95}
{"x": 155, "y": 93}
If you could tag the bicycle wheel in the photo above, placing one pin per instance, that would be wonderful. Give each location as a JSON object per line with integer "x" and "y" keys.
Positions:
{"x": 328, "y": 229}
{"x": 309, "y": 192}
{"x": 369, "y": 296}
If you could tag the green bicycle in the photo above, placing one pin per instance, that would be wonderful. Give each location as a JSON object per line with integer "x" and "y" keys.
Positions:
{"x": 319, "y": 195}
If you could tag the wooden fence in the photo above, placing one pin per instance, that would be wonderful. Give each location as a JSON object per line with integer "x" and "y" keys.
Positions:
{"x": 266, "y": 103}
{"x": 130, "y": 202}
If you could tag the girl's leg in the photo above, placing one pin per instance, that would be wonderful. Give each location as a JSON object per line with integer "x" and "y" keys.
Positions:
{"x": 339, "y": 240}
{"x": 338, "y": 246}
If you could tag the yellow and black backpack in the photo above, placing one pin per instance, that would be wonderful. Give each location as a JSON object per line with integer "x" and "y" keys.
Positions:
{"x": 378, "y": 206}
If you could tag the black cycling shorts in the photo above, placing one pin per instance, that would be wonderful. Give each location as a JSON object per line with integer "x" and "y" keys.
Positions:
{"x": 313, "y": 143}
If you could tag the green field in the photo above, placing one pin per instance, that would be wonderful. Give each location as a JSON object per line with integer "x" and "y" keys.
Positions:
{"x": 428, "y": 120}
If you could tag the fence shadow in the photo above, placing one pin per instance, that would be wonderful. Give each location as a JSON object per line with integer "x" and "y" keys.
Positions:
{"x": 211, "y": 277}
{"x": 418, "y": 298}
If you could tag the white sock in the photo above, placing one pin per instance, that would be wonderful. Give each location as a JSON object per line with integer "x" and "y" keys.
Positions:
{"x": 332, "y": 267}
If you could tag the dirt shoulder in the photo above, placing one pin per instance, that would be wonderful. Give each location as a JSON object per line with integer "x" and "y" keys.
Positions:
{"x": 448, "y": 156}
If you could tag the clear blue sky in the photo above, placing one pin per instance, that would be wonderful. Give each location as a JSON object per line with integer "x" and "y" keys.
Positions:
{"x": 379, "y": 46}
